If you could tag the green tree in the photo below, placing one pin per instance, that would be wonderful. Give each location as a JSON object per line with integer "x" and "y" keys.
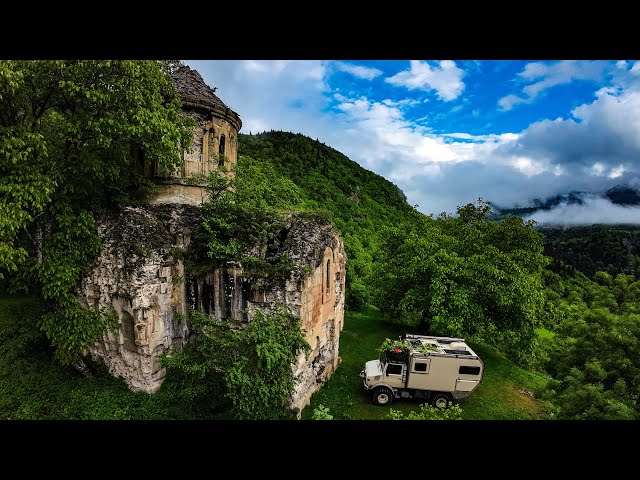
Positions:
{"x": 73, "y": 138}
{"x": 593, "y": 356}
{"x": 465, "y": 276}
{"x": 243, "y": 214}
{"x": 594, "y": 361}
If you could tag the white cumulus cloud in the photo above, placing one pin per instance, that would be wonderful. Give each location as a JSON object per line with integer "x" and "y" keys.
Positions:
{"x": 592, "y": 148}
{"x": 445, "y": 78}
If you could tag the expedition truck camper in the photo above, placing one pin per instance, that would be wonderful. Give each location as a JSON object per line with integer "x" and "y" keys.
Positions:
{"x": 436, "y": 369}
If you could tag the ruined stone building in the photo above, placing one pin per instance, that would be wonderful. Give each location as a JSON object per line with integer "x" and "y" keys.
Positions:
{"x": 140, "y": 273}
{"x": 214, "y": 144}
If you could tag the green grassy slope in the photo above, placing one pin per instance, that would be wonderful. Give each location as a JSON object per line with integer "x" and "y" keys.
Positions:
{"x": 34, "y": 386}
{"x": 504, "y": 393}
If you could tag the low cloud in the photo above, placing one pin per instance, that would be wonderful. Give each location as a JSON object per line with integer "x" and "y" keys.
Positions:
{"x": 594, "y": 210}
{"x": 445, "y": 78}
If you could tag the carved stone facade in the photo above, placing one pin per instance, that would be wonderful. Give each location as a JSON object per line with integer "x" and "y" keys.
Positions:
{"x": 140, "y": 273}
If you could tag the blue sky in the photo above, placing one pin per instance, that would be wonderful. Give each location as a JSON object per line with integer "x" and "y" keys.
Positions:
{"x": 450, "y": 131}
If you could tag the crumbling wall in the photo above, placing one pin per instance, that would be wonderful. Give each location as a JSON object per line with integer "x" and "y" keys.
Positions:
{"x": 141, "y": 275}
{"x": 314, "y": 292}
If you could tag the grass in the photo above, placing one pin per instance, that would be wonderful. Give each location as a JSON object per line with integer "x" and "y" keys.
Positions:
{"x": 504, "y": 394}
{"x": 34, "y": 386}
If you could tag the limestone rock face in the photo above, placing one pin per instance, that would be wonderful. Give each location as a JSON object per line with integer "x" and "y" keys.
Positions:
{"x": 140, "y": 274}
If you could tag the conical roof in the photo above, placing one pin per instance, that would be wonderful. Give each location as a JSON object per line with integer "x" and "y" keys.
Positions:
{"x": 193, "y": 89}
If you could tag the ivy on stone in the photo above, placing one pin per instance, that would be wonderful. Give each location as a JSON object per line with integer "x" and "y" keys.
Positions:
{"x": 72, "y": 137}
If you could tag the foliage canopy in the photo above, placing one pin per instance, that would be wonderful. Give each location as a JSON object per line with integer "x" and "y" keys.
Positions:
{"x": 72, "y": 136}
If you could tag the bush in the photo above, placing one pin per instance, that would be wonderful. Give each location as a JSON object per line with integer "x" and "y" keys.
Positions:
{"x": 321, "y": 413}
{"x": 427, "y": 412}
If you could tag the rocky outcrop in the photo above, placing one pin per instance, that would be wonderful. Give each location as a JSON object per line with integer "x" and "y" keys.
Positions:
{"x": 140, "y": 276}
{"x": 140, "y": 273}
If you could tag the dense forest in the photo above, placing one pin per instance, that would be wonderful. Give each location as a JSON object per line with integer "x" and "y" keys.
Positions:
{"x": 562, "y": 302}
{"x": 609, "y": 248}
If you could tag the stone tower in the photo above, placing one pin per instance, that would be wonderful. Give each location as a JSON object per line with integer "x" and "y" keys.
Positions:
{"x": 141, "y": 275}
{"x": 214, "y": 144}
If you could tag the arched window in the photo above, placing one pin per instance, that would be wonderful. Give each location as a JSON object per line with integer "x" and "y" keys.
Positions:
{"x": 221, "y": 152}
{"x": 211, "y": 140}
{"x": 328, "y": 274}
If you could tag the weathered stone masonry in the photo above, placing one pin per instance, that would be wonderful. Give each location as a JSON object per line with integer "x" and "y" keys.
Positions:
{"x": 141, "y": 275}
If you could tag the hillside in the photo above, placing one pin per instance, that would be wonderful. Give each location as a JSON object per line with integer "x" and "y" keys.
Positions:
{"x": 556, "y": 342}
{"x": 359, "y": 202}
{"x": 33, "y": 386}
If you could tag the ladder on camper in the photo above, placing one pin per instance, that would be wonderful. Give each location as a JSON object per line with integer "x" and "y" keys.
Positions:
{"x": 405, "y": 370}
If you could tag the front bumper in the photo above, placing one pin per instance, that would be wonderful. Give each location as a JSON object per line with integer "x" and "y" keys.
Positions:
{"x": 363, "y": 376}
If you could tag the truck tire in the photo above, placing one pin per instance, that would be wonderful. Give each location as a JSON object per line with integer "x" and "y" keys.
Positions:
{"x": 382, "y": 396}
{"x": 440, "y": 400}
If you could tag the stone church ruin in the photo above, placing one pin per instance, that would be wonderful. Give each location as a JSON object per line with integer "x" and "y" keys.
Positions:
{"x": 141, "y": 275}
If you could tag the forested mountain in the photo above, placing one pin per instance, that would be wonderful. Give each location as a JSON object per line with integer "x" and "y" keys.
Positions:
{"x": 461, "y": 275}
{"x": 469, "y": 275}
{"x": 359, "y": 202}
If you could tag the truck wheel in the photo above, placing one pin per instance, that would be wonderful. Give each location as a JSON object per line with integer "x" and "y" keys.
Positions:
{"x": 440, "y": 400}
{"x": 382, "y": 396}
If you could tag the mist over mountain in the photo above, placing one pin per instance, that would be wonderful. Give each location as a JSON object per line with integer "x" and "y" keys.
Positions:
{"x": 615, "y": 206}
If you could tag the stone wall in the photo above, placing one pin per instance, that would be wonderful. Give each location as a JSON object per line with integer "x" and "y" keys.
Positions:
{"x": 137, "y": 275}
{"x": 140, "y": 274}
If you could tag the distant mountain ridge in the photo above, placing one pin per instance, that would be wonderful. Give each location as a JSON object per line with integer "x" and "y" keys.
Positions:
{"x": 612, "y": 248}
{"x": 618, "y": 195}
